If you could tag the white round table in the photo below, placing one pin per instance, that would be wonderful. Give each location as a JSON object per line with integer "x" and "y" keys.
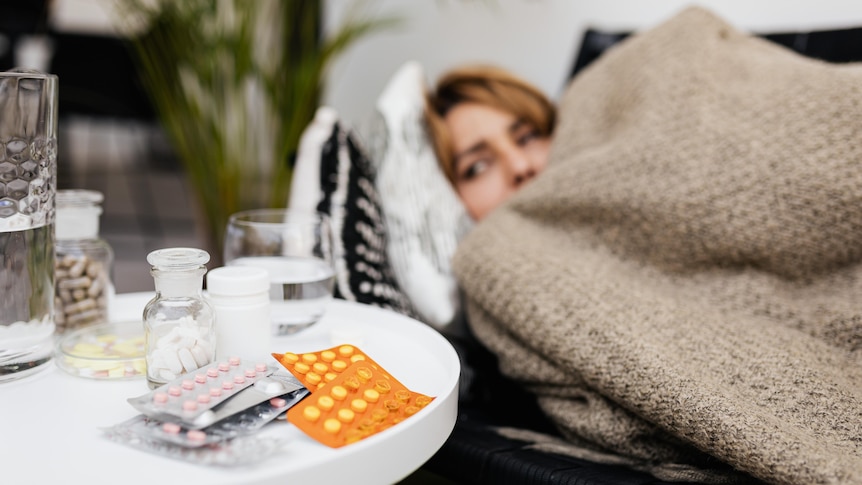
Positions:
{"x": 50, "y": 422}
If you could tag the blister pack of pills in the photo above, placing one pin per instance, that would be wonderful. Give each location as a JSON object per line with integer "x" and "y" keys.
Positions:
{"x": 191, "y": 399}
{"x": 242, "y": 423}
{"x": 352, "y": 397}
{"x": 232, "y": 439}
{"x": 315, "y": 369}
{"x": 242, "y": 451}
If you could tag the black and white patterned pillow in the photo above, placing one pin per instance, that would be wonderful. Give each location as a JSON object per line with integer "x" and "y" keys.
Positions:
{"x": 425, "y": 218}
{"x": 334, "y": 176}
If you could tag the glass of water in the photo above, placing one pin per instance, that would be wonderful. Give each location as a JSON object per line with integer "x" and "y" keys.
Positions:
{"x": 295, "y": 247}
{"x": 28, "y": 183}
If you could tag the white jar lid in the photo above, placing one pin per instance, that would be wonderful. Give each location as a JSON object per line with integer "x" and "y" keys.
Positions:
{"x": 77, "y": 214}
{"x": 237, "y": 280}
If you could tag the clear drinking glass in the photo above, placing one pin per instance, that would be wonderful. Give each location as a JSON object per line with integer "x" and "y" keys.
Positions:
{"x": 295, "y": 247}
{"x": 28, "y": 180}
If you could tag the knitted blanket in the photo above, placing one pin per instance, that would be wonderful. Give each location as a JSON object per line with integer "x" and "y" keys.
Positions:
{"x": 682, "y": 287}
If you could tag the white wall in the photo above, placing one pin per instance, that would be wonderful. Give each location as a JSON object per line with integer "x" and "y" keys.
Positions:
{"x": 537, "y": 39}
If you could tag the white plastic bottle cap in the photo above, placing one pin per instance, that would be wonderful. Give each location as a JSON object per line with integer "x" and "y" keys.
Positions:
{"x": 237, "y": 281}
{"x": 77, "y": 214}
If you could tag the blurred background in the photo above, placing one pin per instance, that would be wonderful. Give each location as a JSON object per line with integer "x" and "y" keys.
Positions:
{"x": 111, "y": 140}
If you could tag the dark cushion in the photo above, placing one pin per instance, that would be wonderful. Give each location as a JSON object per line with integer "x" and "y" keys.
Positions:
{"x": 835, "y": 45}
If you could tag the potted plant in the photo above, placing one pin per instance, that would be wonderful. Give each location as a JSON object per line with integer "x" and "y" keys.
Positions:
{"x": 234, "y": 83}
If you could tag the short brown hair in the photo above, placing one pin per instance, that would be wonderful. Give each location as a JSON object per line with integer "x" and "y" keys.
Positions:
{"x": 489, "y": 86}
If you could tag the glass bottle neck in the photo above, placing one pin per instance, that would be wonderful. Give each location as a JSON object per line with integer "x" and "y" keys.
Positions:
{"x": 175, "y": 284}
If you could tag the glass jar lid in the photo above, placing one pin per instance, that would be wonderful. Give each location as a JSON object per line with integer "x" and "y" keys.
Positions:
{"x": 78, "y": 212}
{"x": 78, "y": 198}
{"x": 177, "y": 259}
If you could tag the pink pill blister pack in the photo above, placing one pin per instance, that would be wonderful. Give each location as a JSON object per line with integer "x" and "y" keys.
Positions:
{"x": 225, "y": 434}
{"x": 240, "y": 424}
{"x": 189, "y": 400}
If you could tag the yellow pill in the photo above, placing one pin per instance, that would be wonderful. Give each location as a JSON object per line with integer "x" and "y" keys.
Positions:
{"x": 103, "y": 366}
{"x": 422, "y": 401}
{"x": 392, "y": 404}
{"x": 352, "y": 383}
{"x": 126, "y": 349}
{"x": 379, "y": 415}
{"x": 309, "y": 358}
{"x": 346, "y": 415}
{"x": 320, "y": 368}
{"x": 364, "y": 373}
{"x": 411, "y": 410}
{"x": 359, "y": 405}
{"x": 326, "y": 403}
{"x": 311, "y": 413}
{"x": 353, "y": 435}
{"x": 290, "y": 358}
{"x": 402, "y": 395}
{"x": 119, "y": 371}
{"x": 371, "y": 395}
{"x": 106, "y": 339}
{"x": 346, "y": 350}
{"x": 301, "y": 367}
{"x": 327, "y": 356}
{"x": 367, "y": 424}
{"x": 382, "y": 386}
{"x": 339, "y": 365}
{"x": 357, "y": 358}
{"x": 84, "y": 348}
{"x": 332, "y": 426}
{"x": 338, "y": 392}
{"x": 330, "y": 376}
{"x": 313, "y": 378}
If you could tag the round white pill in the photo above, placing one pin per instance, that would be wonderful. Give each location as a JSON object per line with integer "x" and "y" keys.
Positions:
{"x": 188, "y": 362}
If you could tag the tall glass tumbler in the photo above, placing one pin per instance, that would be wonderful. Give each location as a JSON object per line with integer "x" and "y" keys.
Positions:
{"x": 28, "y": 179}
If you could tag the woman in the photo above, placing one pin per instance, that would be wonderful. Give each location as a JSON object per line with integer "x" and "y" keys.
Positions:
{"x": 491, "y": 133}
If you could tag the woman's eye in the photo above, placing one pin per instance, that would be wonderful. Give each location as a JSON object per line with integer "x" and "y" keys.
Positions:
{"x": 526, "y": 136}
{"x": 474, "y": 169}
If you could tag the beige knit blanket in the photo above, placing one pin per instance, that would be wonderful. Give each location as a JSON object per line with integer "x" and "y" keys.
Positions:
{"x": 682, "y": 287}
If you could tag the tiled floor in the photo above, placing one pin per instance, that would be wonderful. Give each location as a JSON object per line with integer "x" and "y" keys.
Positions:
{"x": 147, "y": 201}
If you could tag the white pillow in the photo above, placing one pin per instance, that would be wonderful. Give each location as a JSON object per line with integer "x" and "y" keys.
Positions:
{"x": 424, "y": 217}
{"x": 305, "y": 190}
{"x": 334, "y": 175}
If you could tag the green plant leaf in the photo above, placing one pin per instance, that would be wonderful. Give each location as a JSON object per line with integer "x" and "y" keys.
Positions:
{"x": 235, "y": 83}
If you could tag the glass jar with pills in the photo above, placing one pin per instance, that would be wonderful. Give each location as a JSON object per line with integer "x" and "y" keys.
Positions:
{"x": 179, "y": 325}
{"x": 83, "y": 262}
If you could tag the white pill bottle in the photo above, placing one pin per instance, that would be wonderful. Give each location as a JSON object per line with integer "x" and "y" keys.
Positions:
{"x": 239, "y": 296}
{"x": 179, "y": 324}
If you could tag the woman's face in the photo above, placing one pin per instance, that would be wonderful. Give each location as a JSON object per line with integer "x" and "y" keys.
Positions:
{"x": 495, "y": 153}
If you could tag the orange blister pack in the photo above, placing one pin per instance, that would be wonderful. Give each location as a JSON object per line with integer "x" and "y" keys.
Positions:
{"x": 315, "y": 369}
{"x": 351, "y": 403}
